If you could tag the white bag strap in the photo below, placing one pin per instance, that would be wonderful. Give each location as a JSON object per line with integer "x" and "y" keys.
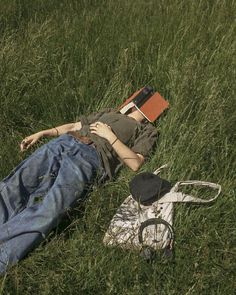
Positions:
{"x": 158, "y": 170}
{"x": 175, "y": 196}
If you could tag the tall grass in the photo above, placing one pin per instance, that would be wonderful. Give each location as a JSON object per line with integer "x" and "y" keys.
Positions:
{"x": 61, "y": 59}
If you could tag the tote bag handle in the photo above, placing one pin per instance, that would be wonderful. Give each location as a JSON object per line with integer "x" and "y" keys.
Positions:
{"x": 175, "y": 196}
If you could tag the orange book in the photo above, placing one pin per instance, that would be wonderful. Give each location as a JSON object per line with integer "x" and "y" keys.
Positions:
{"x": 151, "y": 104}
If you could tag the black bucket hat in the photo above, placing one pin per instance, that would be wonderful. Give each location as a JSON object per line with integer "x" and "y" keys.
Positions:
{"x": 147, "y": 187}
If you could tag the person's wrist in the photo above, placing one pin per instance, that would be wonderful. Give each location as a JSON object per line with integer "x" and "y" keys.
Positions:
{"x": 43, "y": 133}
{"x": 112, "y": 138}
{"x": 114, "y": 141}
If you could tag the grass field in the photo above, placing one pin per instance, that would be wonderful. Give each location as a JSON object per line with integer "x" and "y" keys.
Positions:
{"x": 61, "y": 59}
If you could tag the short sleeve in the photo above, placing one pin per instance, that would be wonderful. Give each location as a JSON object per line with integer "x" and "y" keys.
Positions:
{"x": 145, "y": 141}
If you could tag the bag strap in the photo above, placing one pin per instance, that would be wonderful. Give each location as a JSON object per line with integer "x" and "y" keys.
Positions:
{"x": 175, "y": 196}
{"x": 158, "y": 170}
{"x": 154, "y": 221}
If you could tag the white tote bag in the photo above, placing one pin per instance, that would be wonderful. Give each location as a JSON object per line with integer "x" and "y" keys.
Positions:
{"x": 135, "y": 226}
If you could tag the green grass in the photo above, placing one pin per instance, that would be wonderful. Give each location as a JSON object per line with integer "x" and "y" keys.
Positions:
{"x": 60, "y": 59}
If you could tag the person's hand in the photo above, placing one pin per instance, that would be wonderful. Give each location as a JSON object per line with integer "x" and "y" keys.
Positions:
{"x": 102, "y": 130}
{"x": 29, "y": 141}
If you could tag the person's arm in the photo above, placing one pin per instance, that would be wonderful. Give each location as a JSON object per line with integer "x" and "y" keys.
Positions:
{"x": 55, "y": 131}
{"x": 130, "y": 158}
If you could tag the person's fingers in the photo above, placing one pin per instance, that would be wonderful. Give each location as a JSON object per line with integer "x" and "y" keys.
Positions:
{"x": 97, "y": 124}
{"x": 92, "y": 127}
{"x": 94, "y": 132}
{"x": 22, "y": 147}
{"x": 103, "y": 125}
{"x": 26, "y": 141}
{"x": 22, "y": 144}
{"x": 31, "y": 143}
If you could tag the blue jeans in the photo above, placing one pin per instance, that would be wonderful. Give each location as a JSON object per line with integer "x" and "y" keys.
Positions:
{"x": 39, "y": 191}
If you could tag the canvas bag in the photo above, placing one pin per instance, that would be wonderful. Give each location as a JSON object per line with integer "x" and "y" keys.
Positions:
{"x": 135, "y": 226}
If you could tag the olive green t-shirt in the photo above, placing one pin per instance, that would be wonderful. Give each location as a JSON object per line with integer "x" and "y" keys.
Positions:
{"x": 139, "y": 137}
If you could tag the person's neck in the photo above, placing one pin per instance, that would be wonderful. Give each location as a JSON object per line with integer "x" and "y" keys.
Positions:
{"x": 137, "y": 116}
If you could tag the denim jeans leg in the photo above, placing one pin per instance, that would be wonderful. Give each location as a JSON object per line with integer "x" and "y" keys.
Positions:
{"x": 31, "y": 174}
{"x": 27, "y": 229}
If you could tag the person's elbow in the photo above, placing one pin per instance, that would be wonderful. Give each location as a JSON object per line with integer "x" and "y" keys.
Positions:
{"x": 76, "y": 126}
{"x": 135, "y": 168}
{"x": 137, "y": 163}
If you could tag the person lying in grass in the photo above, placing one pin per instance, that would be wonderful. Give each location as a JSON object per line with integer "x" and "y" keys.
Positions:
{"x": 40, "y": 190}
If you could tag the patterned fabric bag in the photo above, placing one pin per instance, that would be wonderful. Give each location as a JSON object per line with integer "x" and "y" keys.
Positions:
{"x": 149, "y": 227}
